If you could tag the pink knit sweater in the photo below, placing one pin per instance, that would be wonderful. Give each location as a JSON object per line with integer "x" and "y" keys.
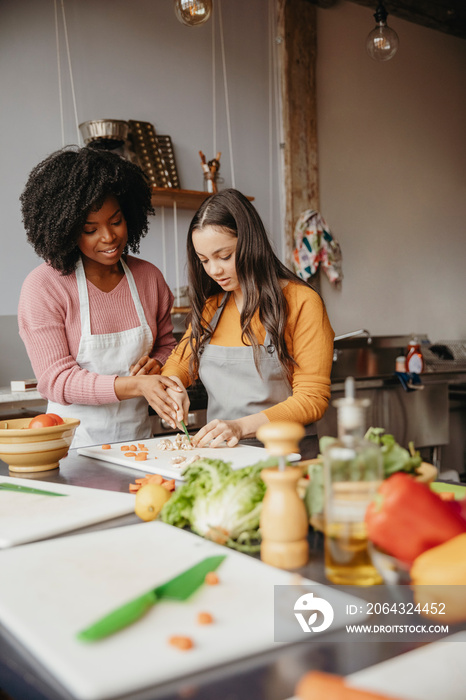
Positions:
{"x": 50, "y": 327}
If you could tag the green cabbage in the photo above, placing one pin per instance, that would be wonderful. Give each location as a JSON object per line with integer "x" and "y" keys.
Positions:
{"x": 220, "y": 503}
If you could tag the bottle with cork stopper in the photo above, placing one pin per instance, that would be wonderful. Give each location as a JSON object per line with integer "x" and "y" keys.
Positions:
{"x": 284, "y": 522}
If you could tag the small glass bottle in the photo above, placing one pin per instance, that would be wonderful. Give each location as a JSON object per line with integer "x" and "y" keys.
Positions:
{"x": 414, "y": 358}
{"x": 353, "y": 471}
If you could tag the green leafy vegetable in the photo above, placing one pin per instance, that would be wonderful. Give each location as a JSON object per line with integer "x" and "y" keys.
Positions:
{"x": 220, "y": 503}
{"x": 395, "y": 459}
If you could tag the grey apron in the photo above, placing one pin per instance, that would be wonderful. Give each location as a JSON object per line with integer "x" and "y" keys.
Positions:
{"x": 236, "y": 389}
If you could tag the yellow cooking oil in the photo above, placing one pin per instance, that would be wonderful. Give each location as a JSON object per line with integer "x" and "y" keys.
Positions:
{"x": 347, "y": 558}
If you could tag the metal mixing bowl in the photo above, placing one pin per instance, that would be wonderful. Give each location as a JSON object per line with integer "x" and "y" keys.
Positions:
{"x": 113, "y": 130}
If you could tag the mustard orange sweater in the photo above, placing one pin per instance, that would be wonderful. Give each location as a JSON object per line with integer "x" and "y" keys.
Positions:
{"x": 309, "y": 339}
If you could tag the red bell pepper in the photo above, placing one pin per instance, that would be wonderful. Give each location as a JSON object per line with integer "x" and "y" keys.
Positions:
{"x": 407, "y": 518}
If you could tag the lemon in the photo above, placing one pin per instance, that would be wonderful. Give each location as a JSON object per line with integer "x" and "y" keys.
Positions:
{"x": 150, "y": 500}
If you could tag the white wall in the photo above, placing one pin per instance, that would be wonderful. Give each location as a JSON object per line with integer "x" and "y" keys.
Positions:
{"x": 133, "y": 60}
{"x": 392, "y": 156}
{"x": 392, "y": 152}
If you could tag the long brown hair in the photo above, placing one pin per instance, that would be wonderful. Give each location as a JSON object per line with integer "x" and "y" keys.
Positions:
{"x": 259, "y": 273}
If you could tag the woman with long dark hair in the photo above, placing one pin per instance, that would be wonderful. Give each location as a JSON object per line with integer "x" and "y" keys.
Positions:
{"x": 259, "y": 337}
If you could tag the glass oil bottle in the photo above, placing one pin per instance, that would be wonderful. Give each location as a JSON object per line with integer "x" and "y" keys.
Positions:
{"x": 353, "y": 471}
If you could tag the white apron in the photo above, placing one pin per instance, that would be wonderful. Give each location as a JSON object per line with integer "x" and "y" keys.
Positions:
{"x": 234, "y": 386}
{"x": 109, "y": 353}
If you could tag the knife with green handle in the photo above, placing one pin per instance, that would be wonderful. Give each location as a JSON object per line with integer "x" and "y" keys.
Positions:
{"x": 178, "y": 588}
{"x": 28, "y": 489}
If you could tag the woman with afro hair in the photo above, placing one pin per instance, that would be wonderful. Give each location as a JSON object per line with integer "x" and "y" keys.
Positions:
{"x": 95, "y": 320}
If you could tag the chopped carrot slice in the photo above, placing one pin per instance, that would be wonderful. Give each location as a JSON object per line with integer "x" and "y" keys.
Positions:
{"x": 183, "y": 643}
{"x": 155, "y": 479}
{"x": 141, "y": 456}
{"x": 204, "y": 618}
{"x": 142, "y": 480}
{"x": 141, "y": 446}
{"x": 168, "y": 485}
{"x": 133, "y": 448}
{"x": 211, "y": 578}
{"x": 130, "y": 454}
{"x": 134, "y": 488}
{"x": 124, "y": 448}
{"x": 106, "y": 447}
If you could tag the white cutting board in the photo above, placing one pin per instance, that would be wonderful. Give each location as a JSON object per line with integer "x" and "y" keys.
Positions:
{"x": 28, "y": 517}
{"x": 51, "y": 590}
{"x": 160, "y": 461}
{"x": 433, "y": 672}
{"x": 436, "y": 671}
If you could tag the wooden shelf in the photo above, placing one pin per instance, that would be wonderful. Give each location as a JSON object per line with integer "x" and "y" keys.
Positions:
{"x": 185, "y": 199}
{"x": 181, "y": 310}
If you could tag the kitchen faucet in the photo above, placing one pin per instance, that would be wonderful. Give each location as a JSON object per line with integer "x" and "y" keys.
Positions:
{"x": 351, "y": 334}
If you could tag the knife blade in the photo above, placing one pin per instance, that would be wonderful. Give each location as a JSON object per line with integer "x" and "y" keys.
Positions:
{"x": 28, "y": 489}
{"x": 178, "y": 588}
{"x": 183, "y": 425}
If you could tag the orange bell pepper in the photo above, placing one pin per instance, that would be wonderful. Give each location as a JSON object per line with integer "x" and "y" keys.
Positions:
{"x": 439, "y": 576}
{"x": 407, "y": 518}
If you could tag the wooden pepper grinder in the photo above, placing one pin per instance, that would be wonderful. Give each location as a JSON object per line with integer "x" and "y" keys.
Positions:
{"x": 284, "y": 523}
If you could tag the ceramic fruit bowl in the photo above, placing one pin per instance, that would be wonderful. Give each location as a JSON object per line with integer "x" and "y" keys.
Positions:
{"x": 35, "y": 449}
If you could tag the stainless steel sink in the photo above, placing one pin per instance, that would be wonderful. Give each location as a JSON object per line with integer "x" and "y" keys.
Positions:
{"x": 363, "y": 355}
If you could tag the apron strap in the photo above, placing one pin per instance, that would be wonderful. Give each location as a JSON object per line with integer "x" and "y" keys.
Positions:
{"x": 83, "y": 299}
{"x": 217, "y": 314}
{"x": 134, "y": 293}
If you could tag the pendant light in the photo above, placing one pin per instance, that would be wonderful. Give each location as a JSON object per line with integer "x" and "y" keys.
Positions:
{"x": 382, "y": 41}
{"x": 193, "y": 12}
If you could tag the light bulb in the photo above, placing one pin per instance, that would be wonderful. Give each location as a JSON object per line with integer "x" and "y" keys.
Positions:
{"x": 193, "y": 12}
{"x": 382, "y": 42}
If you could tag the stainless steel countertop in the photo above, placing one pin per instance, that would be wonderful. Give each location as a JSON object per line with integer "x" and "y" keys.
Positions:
{"x": 270, "y": 676}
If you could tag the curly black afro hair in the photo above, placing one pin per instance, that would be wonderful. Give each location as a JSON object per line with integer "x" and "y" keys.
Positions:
{"x": 63, "y": 188}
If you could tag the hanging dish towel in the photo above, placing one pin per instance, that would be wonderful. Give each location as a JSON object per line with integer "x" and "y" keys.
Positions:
{"x": 316, "y": 246}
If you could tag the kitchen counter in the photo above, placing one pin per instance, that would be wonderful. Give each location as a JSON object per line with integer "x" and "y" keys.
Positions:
{"x": 270, "y": 676}
{"x": 19, "y": 401}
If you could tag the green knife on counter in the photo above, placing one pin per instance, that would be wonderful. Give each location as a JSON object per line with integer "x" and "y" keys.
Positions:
{"x": 28, "y": 489}
{"x": 178, "y": 588}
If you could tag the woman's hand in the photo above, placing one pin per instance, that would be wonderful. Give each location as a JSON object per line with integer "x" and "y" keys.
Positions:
{"x": 145, "y": 365}
{"x": 154, "y": 388}
{"x": 218, "y": 431}
{"x": 181, "y": 399}
{"x": 229, "y": 431}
